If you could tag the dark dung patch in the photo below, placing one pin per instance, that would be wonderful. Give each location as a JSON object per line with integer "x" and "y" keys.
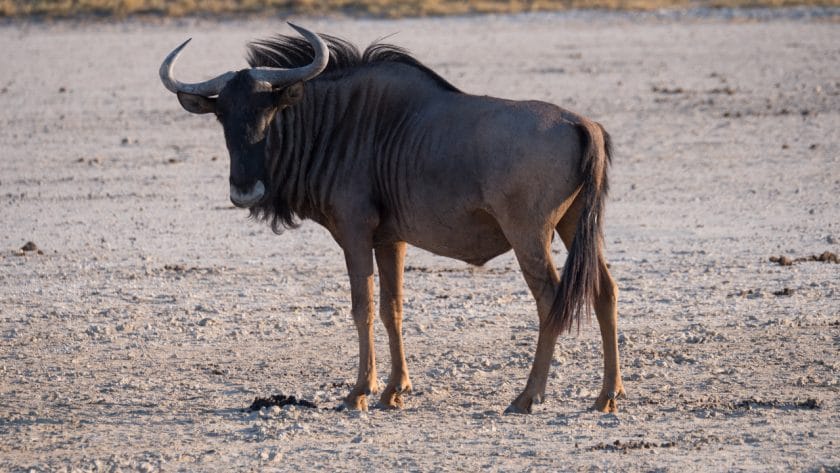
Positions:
{"x": 723, "y": 405}
{"x": 667, "y": 90}
{"x": 752, "y": 403}
{"x": 180, "y": 269}
{"x": 280, "y": 400}
{"x": 619, "y": 446}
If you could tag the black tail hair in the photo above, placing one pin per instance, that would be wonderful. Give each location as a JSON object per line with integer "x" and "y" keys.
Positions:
{"x": 579, "y": 282}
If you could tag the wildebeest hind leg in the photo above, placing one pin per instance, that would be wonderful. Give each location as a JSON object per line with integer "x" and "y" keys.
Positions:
{"x": 533, "y": 251}
{"x": 606, "y": 310}
{"x": 358, "y": 253}
{"x": 390, "y": 260}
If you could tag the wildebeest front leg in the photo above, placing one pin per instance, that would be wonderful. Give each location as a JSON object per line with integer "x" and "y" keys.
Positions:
{"x": 390, "y": 260}
{"x": 534, "y": 256}
{"x": 358, "y": 252}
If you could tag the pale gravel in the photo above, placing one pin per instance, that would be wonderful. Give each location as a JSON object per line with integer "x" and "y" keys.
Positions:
{"x": 156, "y": 312}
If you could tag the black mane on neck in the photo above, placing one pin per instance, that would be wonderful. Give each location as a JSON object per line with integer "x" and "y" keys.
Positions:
{"x": 289, "y": 52}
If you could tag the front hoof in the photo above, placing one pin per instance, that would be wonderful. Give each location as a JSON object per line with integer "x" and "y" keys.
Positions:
{"x": 354, "y": 402}
{"x": 391, "y": 401}
{"x": 391, "y": 405}
{"x": 607, "y": 402}
{"x": 392, "y": 397}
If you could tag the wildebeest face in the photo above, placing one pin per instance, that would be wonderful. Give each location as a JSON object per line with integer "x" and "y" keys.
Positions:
{"x": 245, "y": 103}
{"x": 245, "y": 107}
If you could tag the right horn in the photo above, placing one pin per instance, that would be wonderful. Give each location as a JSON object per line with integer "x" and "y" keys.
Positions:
{"x": 206, "y": 89}
{"x": 278, "y": 77}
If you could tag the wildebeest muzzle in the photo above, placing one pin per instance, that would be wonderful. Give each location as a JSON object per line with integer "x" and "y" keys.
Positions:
{"x": 246, "y": 198}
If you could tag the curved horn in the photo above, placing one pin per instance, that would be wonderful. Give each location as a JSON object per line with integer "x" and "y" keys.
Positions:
{"x": 278, "y": 77}
{"x": 207, "y": 88}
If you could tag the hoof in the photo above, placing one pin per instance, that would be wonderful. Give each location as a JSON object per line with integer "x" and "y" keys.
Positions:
{"x": 390, "y": 401}
{"x": 354, "y": 402}
{"x": 394, "y": 405}
{"x": 392, "y": 397}
{"x": 524, "y": 403}
{"x": 514, "y": 409}
{"x": 607, "y": 402}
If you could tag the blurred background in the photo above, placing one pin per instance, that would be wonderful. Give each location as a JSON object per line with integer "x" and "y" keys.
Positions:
{"x": 383, "y": 8}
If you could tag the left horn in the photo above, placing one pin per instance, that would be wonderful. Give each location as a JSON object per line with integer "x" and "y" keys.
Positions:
{"x": 207, "y": 88}
{"x": 278, "y": 77}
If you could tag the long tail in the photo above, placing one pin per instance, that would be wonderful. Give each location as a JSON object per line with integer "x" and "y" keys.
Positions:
{"x": 580, "y": 280}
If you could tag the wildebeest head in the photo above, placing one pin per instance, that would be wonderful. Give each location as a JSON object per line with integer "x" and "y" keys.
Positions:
{"x": 245, "y": 102}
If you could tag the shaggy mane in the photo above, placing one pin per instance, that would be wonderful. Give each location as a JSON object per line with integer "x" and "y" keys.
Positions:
{"x": 290, "y": 52}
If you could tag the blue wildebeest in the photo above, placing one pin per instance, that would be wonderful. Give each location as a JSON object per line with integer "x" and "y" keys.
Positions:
{"x": 382, "y": 151}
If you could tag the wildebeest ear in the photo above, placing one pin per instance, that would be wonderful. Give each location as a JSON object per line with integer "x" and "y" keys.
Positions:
{"x": 291, "y": 94}
{"x": 197, "y": 103}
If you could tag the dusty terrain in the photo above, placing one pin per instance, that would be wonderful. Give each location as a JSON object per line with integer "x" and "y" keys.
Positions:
{"x": 155, "y": 313}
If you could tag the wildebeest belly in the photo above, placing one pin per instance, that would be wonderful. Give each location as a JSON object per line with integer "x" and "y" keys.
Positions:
{"x": 471, "y": 236}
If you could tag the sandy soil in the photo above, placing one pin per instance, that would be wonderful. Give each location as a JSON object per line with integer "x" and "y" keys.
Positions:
{"x": 155, "y": 312}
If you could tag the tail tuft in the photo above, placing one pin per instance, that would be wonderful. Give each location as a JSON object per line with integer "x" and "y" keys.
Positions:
{"x": 580, "y": 279}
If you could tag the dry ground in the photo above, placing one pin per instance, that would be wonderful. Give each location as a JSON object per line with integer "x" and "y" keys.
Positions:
{"x": 155, "y": 312}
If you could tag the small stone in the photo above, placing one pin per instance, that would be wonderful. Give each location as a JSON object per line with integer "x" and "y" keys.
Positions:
{"x": 206, "y": 321}
{"x": 830, "y": 239}
{"x": 827, "y": 257}
{"x": 29, "y": 246}
{"x": 124, "y": 327}
{"x": 95, "y": 330}
{"x": 782, "y": 260}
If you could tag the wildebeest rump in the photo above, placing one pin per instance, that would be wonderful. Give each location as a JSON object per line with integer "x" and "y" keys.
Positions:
{"x": 382, "y": 151}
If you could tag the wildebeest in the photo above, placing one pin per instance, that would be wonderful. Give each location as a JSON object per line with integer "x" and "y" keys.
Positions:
{"x": 382, "y": 151}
